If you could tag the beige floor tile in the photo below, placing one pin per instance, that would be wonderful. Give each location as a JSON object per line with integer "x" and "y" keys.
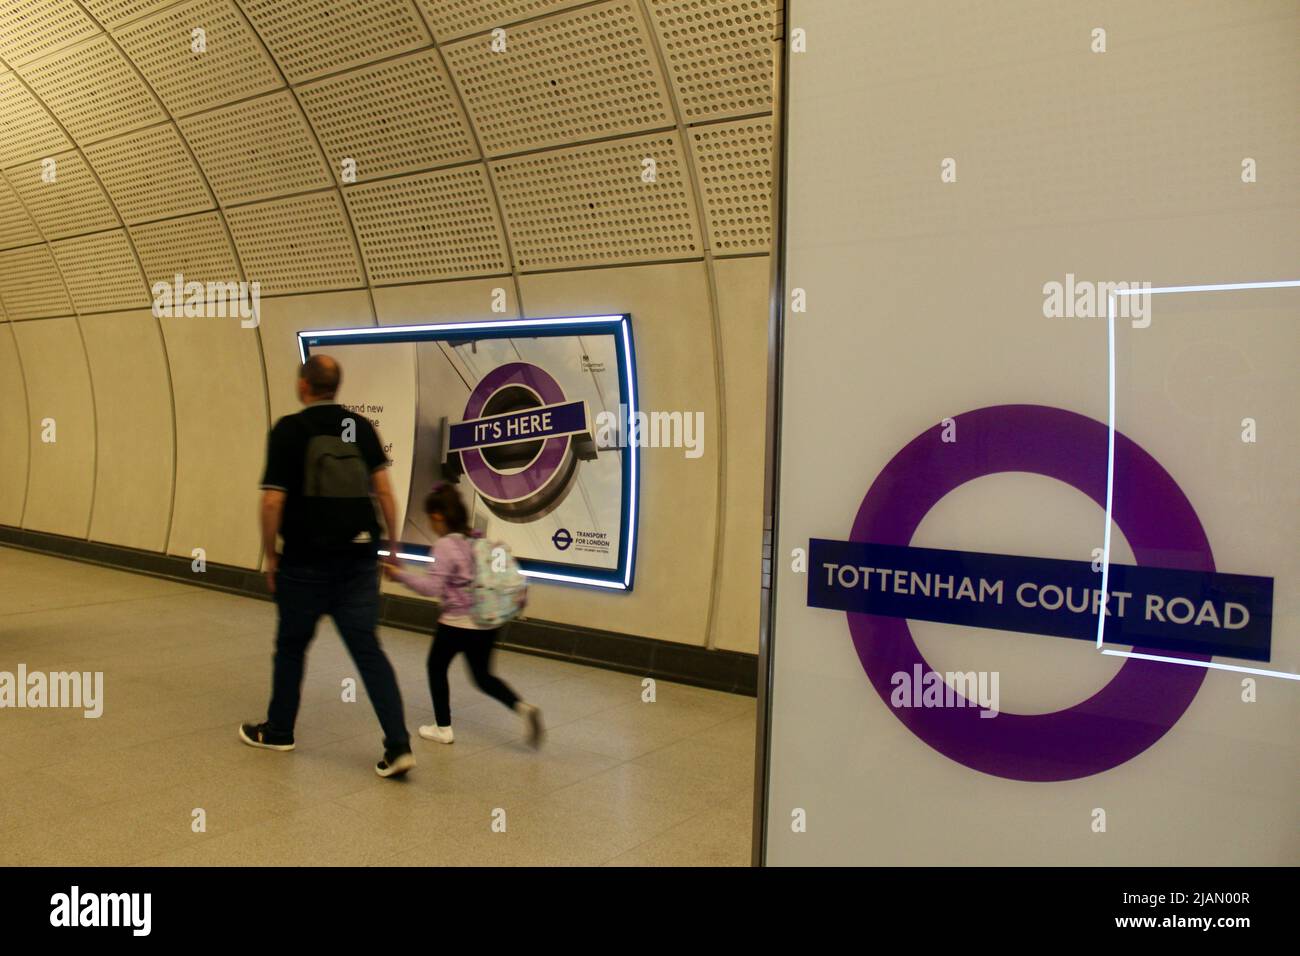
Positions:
{"x": 324, "y": 834}
{"x": 721, "y": 836}
{"x": 650, "y": 800}
{"x": 698, "y": 756}
{"x": 537, "y": 833}
{"x": 629, "y": 731}
{"x": 515, "y": 768}
{"x": 95, "y": 836}
{"x": 617, "y": 781}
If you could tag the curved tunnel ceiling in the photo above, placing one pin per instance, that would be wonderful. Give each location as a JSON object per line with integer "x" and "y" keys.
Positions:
{"x": 127, "y": 157}
{"x": 216, "y": 139}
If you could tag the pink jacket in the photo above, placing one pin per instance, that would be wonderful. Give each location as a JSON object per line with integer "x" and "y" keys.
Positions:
{"x": 448, "y": 578}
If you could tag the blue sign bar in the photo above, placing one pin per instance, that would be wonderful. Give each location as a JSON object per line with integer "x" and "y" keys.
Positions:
{"x": 545, "y": 421}
{"x": 1199, "y": 612}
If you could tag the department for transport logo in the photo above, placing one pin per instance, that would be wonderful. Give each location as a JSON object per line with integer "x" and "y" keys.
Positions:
{"x": 1173, "y": 599}
{"x": 519, "y": 442}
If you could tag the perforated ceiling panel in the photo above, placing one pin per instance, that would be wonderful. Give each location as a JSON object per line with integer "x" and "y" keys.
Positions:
{"x": 394, "y": 117}
{"x": 29, "y": 28}
{"x": 582, "y": 94}
{"x": 734, "y": 164}
{"x": 30, "y": 285}
{"x": 719, "y": 54}
{"x": 437, "y": 225}
{"x": 575, "y": 76}
{"x": 450, "y": 19}
{"x": 101, "y": 272}
{"x": 301, "y": 244}
{"x": 590, "y": 205}
{"x": 72, "y": 203}
{"x": 93, "y": 91}
{"x": 257, "y": 149}
{"x": 195, "y": 247}
{"x": 27, "y": 130}
{"x": 310, "y": 38}
{"x": 149, "y": 174}
{"x": 235, "y": 64}
{"x": 114, "y": 13}
{"x": 16, "y": 227}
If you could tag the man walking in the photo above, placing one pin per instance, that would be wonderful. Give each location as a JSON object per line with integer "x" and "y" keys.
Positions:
{"x": 323, "y": 464}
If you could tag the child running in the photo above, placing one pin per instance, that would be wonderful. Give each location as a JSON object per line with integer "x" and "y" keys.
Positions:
{"x": 449, "y": 581}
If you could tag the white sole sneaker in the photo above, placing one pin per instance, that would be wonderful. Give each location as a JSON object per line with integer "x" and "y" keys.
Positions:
{"x": 255, "y": 739}
{"x": 533, "y": 730}
{"x": 441, "y": 735}
{"x": 399, "y": 766}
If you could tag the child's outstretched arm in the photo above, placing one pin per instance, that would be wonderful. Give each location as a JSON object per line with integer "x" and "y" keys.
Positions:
{"x": 431, "y": 583}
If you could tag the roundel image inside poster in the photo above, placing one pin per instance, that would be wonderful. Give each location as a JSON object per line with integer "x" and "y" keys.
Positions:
{"x": 529, "y": 419}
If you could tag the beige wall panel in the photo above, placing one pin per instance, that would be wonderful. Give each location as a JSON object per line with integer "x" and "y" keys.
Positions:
{"x": 674, "y": 345}
{"x": 282, "y": 320}
{"x": 468, "y": 301}
{"x": 136, "y": 440}
{"x": 221, "y": 428}
{"x": 743, "y": 301}
{"x": 13, "y": 431}
{"x": 58, "y": 387}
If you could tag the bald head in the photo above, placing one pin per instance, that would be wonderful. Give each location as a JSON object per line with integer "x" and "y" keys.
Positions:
{"x": 320, "y": 376}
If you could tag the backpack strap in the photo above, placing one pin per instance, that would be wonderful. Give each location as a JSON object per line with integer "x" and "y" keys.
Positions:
{"x": 470, "y": 571}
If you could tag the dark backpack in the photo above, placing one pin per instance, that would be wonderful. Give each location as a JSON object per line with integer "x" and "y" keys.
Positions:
{"x": 336, "y": 491}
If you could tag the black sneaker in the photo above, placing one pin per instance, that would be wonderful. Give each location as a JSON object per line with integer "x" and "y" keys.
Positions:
{"x": 395, "y": 764}
{"x": 261, "y": 735}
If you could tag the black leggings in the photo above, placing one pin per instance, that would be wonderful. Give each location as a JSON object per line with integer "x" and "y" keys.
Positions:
{"x": 449, "y": 641}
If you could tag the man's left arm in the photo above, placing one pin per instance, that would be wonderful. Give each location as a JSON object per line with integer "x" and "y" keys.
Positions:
{"x": 372, "y": 450}
{"x": 383, "y": 490}
{"x": 275, "y": 485}
{"x": 272, "y": 515}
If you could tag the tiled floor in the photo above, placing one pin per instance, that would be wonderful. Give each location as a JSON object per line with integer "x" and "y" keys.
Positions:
{"x": 618, "y": 782}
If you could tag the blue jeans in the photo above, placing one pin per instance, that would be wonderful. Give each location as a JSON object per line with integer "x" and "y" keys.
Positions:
{"x": 345, "y": 587}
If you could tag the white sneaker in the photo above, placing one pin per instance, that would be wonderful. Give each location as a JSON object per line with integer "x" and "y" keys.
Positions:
{"x": 442, "y": 735}
{"x": 533, "y": 731}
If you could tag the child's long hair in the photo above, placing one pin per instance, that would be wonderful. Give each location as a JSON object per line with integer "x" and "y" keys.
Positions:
{"x": 445, "y": 500}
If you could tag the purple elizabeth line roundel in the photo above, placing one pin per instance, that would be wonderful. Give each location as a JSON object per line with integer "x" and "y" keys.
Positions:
{"x": 1145, "y": 698}
{"x": 546, "y": 466}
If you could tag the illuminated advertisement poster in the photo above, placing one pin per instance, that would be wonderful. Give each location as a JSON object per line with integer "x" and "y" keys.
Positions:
{"x": 528, "y": 418}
